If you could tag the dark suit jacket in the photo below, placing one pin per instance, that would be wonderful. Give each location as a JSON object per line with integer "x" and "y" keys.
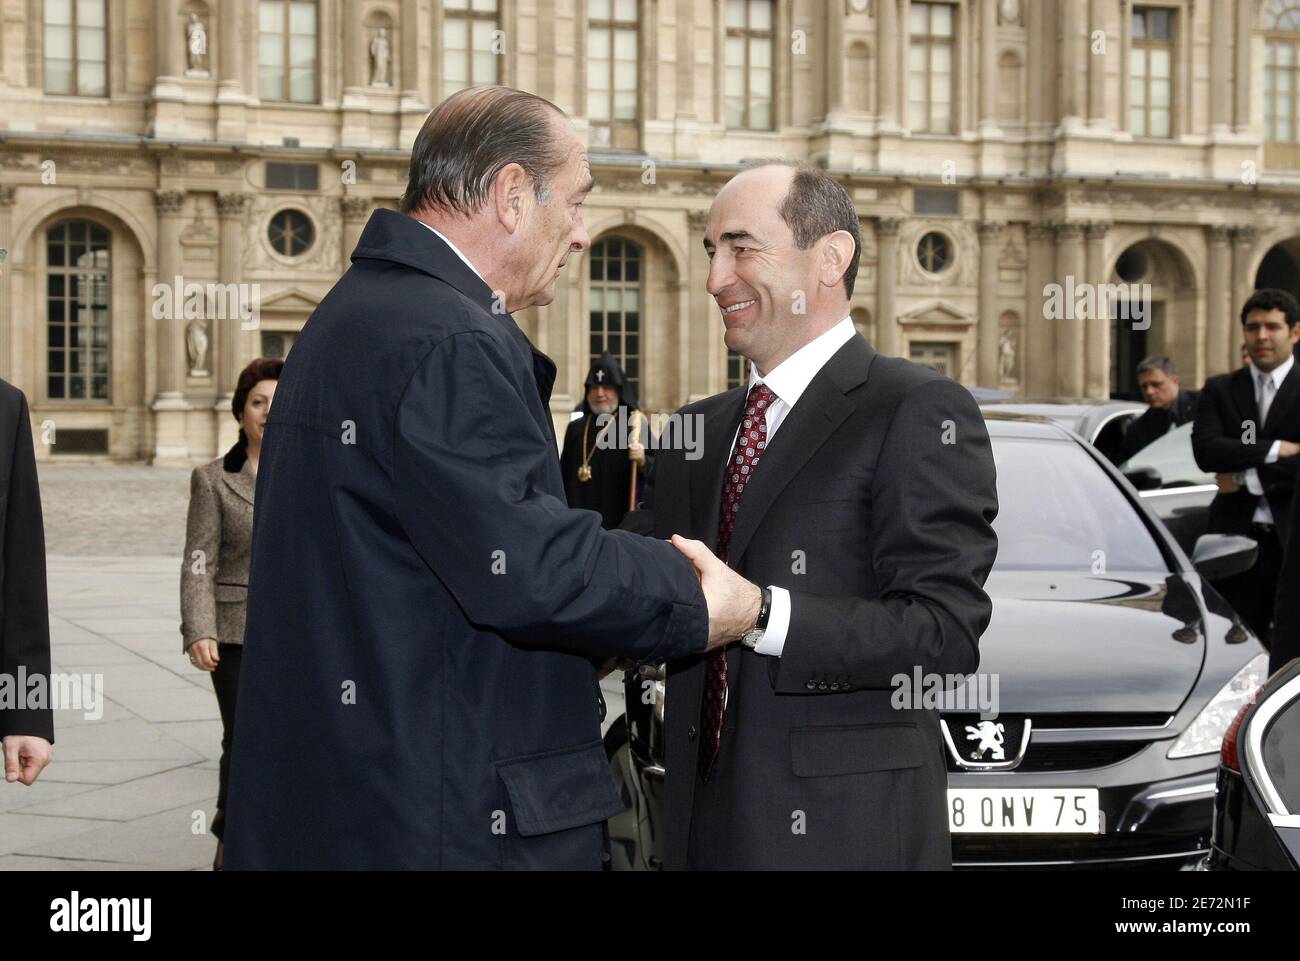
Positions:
{"x": 1227, "y": 405}
{"x": 883, "y": 534}
{"x": 416, "y": 688}
{"x": 1154, "y": 424}
{"x": 24, "y": 604}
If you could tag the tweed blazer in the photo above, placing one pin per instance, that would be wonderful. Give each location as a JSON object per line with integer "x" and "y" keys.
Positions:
{"x": 218, "y": 543}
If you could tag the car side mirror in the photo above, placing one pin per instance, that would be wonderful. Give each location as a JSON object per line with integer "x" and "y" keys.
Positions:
{"x": 1144, "y": 478}
{"x": 1217, "y": 556}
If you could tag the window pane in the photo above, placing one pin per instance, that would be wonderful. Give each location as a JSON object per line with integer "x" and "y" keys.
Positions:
{"x": 1139, "y": 25}
{"x": 625, "y": 77}
{"x": 941, "y": 58}
{"x": 598, "y": 9}
{"x": 1161, "y": 24}
{"x": 302, "y": 18}
{"x": 58, "y": 76}
{"x": 625, "y": 45}
{"x": 92, "y": 80}
{"x": 1139, "y": 65}
{"x": 1137, "y": 121}
{"x": 302, "y": 52}
{"x": 1160, "y": 93}
{"x": 271, "y": 86}
{"x": 625, "y": 10}
{"x": 598, "y": 45}
{"x": 760, "y": 52}
{"x": 1160, "y": 63}
{"x": 760, "y": 114}
{"x": 485, "y": 6}
{"x": 760, "y": 83}
{"x": 270, "y": 17}
{"x": 302, "y": 85}
{"x": 485, "y": 68}
{"x": 90, "y": 13}
{"x": 483, "y": 30}
{"x": 271, "y": 51}
{"x": 916, "y": 88}
{"x": 735, "y": 52}
{"x": 735, "y": 13}
{"x": 920, "y": 25}
{"x": 1285, "y": 54}
{"x": 455, "y": 69}
{"x": 760, "y": 14}
{"x": 941, "y": 20}
{"x": 58, "y": 11}
{"x": 1159, "y": 122}
{"x": 58, "y": 43}
{"x": 735, "y": 111}
{"x": 940, "y": 117}
{"x": 90, "y": 44}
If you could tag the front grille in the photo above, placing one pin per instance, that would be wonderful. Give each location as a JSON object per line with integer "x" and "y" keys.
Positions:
{"x": 1161, "y": 851}
{"x": 1076, "y": 755}
{"x": 1079, "y": 756}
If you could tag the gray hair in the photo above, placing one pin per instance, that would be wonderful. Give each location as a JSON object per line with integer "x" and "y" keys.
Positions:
{"x": 1158, "y": 362}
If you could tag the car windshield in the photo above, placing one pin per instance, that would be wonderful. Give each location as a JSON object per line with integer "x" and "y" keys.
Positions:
{"x": 1171, "y": 455}
{"x": 1058, "y": 509}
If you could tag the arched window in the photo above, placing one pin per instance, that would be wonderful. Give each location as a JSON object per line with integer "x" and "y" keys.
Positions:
{"x": 1282, "y": 81}
{"x": 77, "y": 311}
{"x": 616, "y": 298}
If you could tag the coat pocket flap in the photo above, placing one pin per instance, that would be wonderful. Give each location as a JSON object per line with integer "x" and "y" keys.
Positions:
{"x": 827, "y": 751}
{"x": 231, "y": 592}
{"x": 560, "y": 789}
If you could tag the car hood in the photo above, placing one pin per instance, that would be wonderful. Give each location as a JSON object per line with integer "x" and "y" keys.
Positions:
{"x": 1061, "y": 642}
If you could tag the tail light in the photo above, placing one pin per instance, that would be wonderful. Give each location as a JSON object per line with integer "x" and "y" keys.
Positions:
{"x": 1228, "y": 751}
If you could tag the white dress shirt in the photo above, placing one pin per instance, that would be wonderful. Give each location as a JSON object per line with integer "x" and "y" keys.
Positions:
{"x": 788, "y": 380}
{"x": 1263, "y": 513}
{"x": 456, "y": 250}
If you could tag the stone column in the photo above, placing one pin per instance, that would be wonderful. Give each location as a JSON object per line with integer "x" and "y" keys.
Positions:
{"x": 888, "y": 80}
{"x": 835, "y": 56}
{"x": 987, "y": 369}
{"x": 886, "y": 283}
{"x": 170, "y": 443}
{"x": 1039, "y": 376}
{"x": 1220, "y": 121}
{"x": 356, "y": 211}
{"x": 1070, "y": 330}
{"x": 413, "y": 105}
{"x": 228, "y": 362}
{"x": 1220, "y": 351}
{"x": 1243, "y": 282}
{"x": 1098, "y": 325}
{"x": 1072, "y": 107}
{"x": 167, "y": 25}
{"x": 7, "y": 199}
{"x": 354, "y": 51}
{"x": 1096, "y": 65}
{"x": 988, "y": 65}
{"x": 1241, "y": 81}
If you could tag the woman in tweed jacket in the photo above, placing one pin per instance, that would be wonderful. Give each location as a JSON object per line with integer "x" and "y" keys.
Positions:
{"x": 218, "y": 542}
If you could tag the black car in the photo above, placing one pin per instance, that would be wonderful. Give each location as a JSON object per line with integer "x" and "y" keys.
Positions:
{"x": 1257, "y": 806}
{"x": 1100, "y": 422}
{"x": 1167, "y": 476}
{"x": 1119, "y": 670}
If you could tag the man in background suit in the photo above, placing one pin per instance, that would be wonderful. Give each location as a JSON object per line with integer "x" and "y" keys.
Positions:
{"x": 26, "y": 731}
{"x": 1245, "y": 432}
{"x": 1169, "y": 404}
{"x": 858, "y": 488}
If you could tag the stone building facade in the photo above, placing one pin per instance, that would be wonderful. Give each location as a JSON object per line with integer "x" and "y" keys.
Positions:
{"x": 993, "y": 148}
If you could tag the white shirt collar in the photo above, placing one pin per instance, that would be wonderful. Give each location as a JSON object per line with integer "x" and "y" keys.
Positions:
{"x": 790, "y": 378}
{"x": 455, "y": 250}
{"x": 1278, "y": 373}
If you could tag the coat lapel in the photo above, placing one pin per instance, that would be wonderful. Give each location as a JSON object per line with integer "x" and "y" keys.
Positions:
{"x": 819, "y": 412}
{"x": 1283, "y": 401}
{"x": 241, "y": 482}
{"x": 707, "y": 472}
{"x": 1243, "y": 393}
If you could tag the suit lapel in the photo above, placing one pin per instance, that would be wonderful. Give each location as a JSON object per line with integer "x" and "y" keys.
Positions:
{"x": 1283, "y": 401}
{"x": 241, "y": 482}
{"x": 820, "y": 411}
{"x": 1243, "y": 392}
{"x": 706, "y": 473}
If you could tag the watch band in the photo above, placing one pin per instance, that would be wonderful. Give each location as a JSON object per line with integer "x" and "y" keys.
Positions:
{"x": 755, "y": 634}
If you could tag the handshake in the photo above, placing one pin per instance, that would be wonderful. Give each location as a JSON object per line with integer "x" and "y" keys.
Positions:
{"x": 733, "y": 602}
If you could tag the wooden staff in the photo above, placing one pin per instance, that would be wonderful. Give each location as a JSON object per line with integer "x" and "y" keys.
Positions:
{"x": 636, "y": 439}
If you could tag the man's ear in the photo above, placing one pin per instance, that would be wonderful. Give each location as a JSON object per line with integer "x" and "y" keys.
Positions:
{"x": 836, "y": 252}
{"x": 508, "y": 196}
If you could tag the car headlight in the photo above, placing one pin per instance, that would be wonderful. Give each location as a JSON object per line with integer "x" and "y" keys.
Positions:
{"x": 1205, "y": 734}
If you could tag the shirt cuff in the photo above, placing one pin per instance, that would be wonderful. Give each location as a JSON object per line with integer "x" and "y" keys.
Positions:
{"x": 778, "y": 624}
{"x": 1252, "y": 482}
{"x": 1273, "y": 453}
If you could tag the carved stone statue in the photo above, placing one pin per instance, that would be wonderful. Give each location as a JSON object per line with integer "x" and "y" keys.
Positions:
{"x": 196, "y": 345}
{"x": 1009, "y": 11}
{"x": 1007, "y": 355}
{"x": 380, "y": 53}
{"x": 196, "y": 44}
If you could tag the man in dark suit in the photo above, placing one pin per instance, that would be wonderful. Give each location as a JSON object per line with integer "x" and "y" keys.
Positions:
{"x": 26, "y": 729}
{"x": 859, "y": 489}
{"x": 1245, "y": 432}
{"x": 417, "y": 688}
{"x": 1170, "y": 405}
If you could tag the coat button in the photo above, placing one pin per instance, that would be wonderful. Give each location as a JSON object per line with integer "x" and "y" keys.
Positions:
{"x": 834, "y": 686}
{"x": 690, "y": 733}
{"x": 811, "y": 685}
{"x": 821, "y": 686}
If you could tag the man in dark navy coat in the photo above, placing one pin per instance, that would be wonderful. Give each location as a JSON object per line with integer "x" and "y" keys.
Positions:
{"x": 423, "y": 608}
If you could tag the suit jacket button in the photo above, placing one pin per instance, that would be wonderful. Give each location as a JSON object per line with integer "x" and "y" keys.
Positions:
{"x": 834, "y": 686}
{"x": 811, "y": 685}
{"x": 821, "y": 686}
{"x": 690, "y": 733}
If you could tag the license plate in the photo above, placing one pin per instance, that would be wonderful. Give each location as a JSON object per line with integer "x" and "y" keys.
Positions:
{"x": 1024, "y": 811}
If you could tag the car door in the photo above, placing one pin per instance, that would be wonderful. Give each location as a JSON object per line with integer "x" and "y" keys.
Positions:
{"x": 1182, "y": 501}
{"x": 1270, "y": 757}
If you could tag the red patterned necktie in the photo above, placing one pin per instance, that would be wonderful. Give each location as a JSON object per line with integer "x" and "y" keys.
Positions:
{"x": 751, "y": 441}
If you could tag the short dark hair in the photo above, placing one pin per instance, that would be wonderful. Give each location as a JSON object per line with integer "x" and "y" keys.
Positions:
{"x": 1270, "y": 298}
{"x": 471, "y": 137}
{"x": 262, "y": 368}
{"x": 1158, "y": 362}
{"x": 817, "y": 205}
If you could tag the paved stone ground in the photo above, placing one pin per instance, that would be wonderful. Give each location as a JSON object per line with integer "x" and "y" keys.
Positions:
{"x": 129, "y": 789}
